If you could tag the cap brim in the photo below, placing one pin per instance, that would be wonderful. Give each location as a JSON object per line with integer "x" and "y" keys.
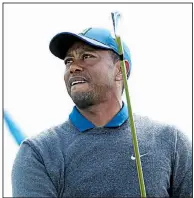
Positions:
{"x": 60, "y": 43}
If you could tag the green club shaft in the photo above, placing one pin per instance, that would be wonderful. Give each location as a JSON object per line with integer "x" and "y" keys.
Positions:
{"x": 131, "y": 122}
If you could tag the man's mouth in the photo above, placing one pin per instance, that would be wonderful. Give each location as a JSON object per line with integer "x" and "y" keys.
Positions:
{"x": 77, "y": 80}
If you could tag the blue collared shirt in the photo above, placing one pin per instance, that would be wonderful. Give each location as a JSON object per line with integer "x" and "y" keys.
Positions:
{"x": 83, "y": 124}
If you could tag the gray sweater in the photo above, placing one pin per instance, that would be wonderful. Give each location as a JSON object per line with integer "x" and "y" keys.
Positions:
{"x": 99, "y": 162}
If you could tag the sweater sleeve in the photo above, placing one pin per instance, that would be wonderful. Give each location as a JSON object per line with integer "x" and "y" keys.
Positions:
{"x": 29, "y": 175}
{"x": 182, "y": 170}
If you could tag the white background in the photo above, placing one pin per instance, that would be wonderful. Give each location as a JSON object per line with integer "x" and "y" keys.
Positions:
{"x": 158, "y": 35}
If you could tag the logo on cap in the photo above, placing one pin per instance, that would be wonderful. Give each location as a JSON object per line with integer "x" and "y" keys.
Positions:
{"x": 85, "y": 31}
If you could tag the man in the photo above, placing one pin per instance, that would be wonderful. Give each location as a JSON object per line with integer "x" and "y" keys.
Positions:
{"x": 91, "y": 154}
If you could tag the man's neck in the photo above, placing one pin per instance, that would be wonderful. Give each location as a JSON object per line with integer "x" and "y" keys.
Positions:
{"x": 101, "y": 114}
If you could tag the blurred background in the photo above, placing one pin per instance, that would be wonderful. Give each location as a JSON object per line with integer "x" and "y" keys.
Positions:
{"x": 158, "y": 35}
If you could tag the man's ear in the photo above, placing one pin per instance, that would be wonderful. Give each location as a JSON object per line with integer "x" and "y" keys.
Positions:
{"x": 119, "y": 75}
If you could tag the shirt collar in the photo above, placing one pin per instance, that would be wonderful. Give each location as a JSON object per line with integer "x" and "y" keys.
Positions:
{"x": 83, "y": 124}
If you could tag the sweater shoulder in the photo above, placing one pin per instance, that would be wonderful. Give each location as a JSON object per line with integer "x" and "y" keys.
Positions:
{"x": 154, "y": 128}
{"x": 52, "y": 138}
{"x": 142, "y": 121}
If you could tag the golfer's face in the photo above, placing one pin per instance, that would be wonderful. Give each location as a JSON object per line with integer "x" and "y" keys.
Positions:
{"x": 87, "y": 69}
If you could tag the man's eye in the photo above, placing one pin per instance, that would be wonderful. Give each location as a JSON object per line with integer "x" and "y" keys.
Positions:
{"x": 86, "y": 56}
{"x": 68, "y": 61}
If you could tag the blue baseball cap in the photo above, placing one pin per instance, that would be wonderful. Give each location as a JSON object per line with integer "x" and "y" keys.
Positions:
{"x": 96, "y": 37}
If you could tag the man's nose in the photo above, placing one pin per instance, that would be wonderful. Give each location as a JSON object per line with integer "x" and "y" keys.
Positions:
{"x": 75, "y": 68}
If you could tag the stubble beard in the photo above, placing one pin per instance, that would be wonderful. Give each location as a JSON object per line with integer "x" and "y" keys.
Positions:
{"x": 85, "y": 99}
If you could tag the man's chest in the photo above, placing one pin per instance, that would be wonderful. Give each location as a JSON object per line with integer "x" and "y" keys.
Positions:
{"x": 107, "y": 168}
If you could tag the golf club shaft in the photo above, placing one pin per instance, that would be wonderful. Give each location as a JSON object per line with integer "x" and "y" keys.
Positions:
{"x": 131, "y": 121}
{"x": 134, "y": 136}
